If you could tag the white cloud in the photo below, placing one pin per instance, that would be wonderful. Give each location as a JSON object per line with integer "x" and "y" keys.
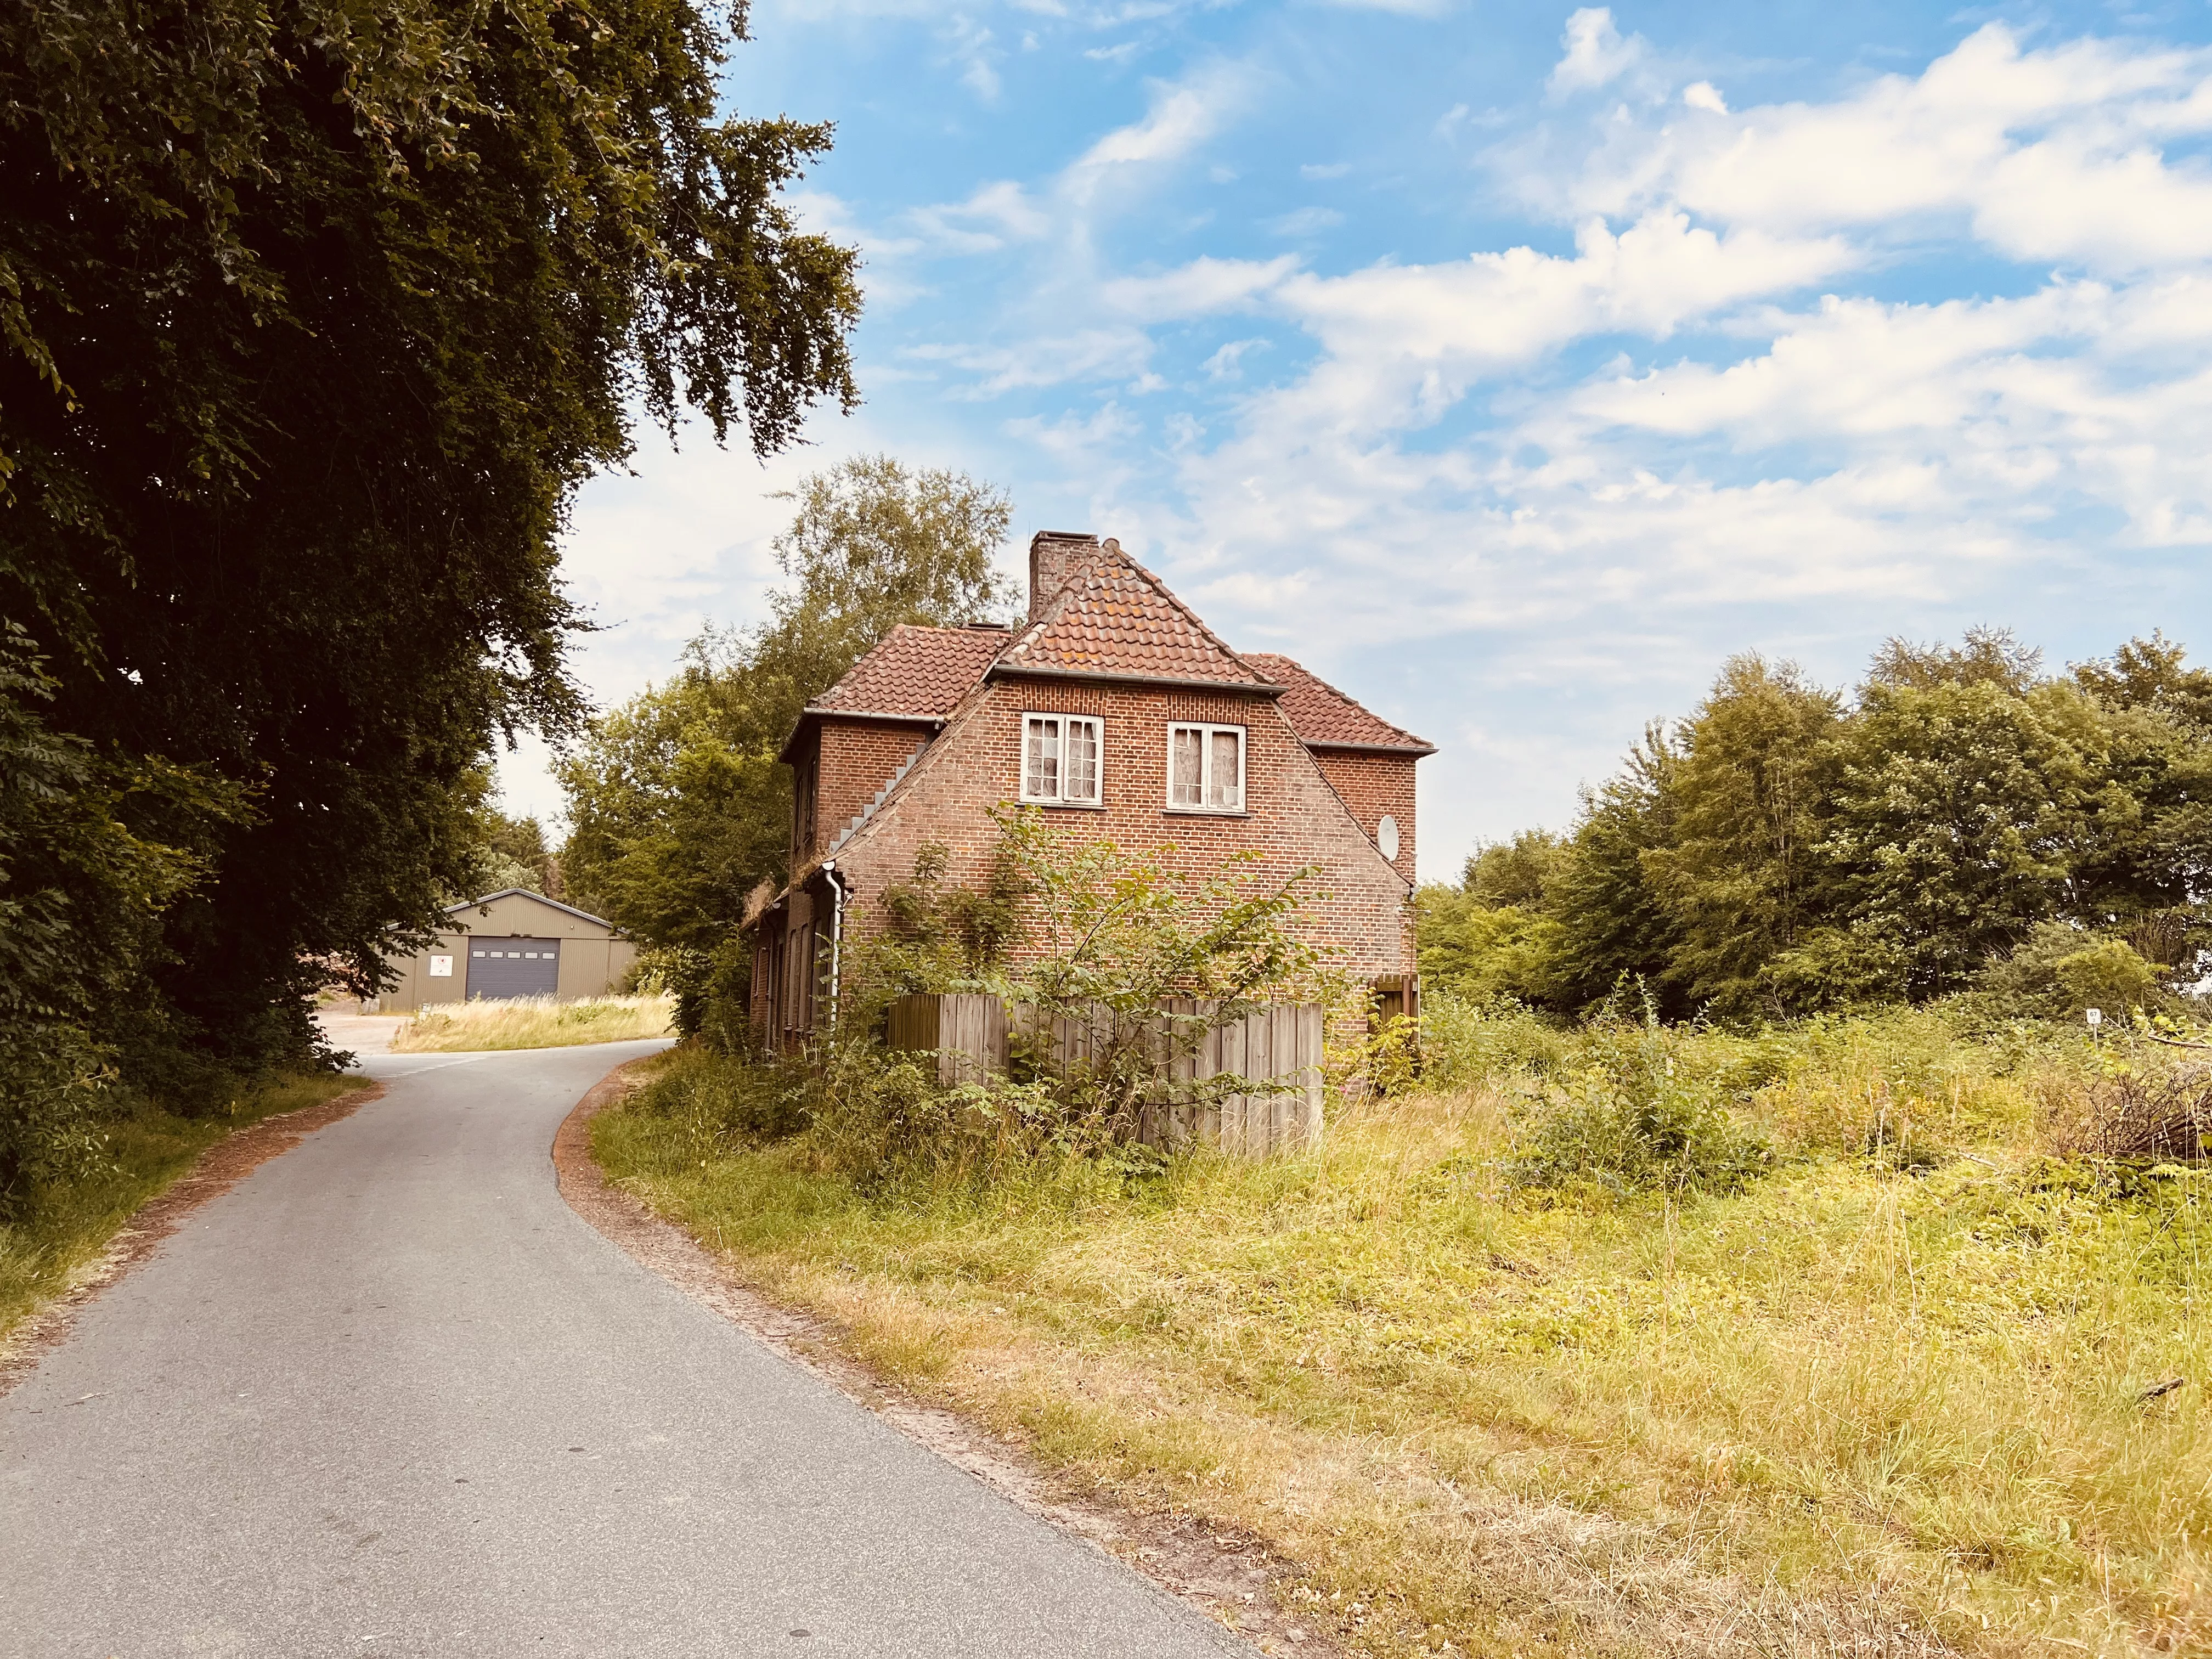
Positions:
{"x": 1595, "y": 53}
{"x": 1404, "y": 342}
{"x": 1703, "y": 94}
{"x": 1032, "y": 345}
{"x": 1081, "y": 439}
{"x": 1305, "y": 222}
{"x": 1183, "y": 115}
{"x": 994, "y": 216}
{"x": 2048, "y": 155}
{"x": 1227, "y": 362}
{"x": 1197, "y": 289}
{"x": 1090, "y": 354}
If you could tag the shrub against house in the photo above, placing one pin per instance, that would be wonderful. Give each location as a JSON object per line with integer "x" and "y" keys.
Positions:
{"x": 1114, "y": 711}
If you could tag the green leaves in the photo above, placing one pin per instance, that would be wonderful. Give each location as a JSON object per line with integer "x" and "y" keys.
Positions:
{"x": 1780, "y": 851}
{"x": 315, "y": 314}
{"x": 679, "y": 811}
{"x": 1639, "y": 1113}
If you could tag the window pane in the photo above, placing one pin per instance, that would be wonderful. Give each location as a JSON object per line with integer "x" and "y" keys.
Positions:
{"x": 1227, "y": 773}
{"x": 1040, "y": 761}
{"x": 1185, "y": 756}
{"x": 1082, "y": 760}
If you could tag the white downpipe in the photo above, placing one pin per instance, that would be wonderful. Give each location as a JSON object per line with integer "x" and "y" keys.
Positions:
{"x": 836, "y": 933}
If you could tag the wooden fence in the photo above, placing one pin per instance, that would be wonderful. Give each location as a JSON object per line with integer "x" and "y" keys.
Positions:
{"x": 973, "y": 1035}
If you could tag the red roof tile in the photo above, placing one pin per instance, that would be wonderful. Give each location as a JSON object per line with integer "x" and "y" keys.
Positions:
{"x": 1323, "y": 716}
{"x": 1115, "y": 616}
{"x": 921, "y": 672}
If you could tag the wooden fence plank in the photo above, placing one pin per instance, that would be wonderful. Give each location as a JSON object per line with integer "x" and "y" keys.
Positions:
{"x": 1259, "y": 1063}
{"x": 1224, "y": 1053}
{"x": 973, "y": 1037}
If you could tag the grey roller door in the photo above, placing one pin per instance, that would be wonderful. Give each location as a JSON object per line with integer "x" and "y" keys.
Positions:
{"x": 500, "y": 968}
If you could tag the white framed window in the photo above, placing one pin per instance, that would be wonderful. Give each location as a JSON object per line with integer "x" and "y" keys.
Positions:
{"x": 1062, "y": 760}
{"x": 1206, "y": 768}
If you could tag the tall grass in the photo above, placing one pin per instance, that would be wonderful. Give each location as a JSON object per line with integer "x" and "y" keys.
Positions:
{"x": 533, "y": 1023}
{"x": 1888, "y": 1396}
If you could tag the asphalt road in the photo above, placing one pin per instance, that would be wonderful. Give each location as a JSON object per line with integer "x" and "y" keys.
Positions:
{"x": 390, "y": 1396}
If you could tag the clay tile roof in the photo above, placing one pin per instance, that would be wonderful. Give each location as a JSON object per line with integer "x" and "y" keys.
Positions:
{"x": 918, "y": 671}
{"x": 1323, "y": 716}
{"x": 1115, "y": 616}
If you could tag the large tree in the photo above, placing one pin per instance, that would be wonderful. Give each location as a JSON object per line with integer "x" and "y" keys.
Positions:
{"x": 678, "y": 806}
{"x": 1781, "y": 851}
{"x": 1742, "y": 871}
{"x": 315, "y": 312}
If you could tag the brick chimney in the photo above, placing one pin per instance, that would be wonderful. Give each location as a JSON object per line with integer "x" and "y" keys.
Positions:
{"x": 1052, "y": 553}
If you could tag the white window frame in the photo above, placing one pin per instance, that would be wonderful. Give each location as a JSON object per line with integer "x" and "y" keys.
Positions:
{"x": 1059, "y": 796}
{"x": 1206, "y": 804}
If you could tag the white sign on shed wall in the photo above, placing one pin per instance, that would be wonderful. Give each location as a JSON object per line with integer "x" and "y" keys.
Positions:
{"x": 441, "y": 967}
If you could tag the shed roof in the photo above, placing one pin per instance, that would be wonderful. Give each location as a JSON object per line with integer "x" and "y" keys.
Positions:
{"x": 1323, "y": 717}
{"x": 524, "y": 892}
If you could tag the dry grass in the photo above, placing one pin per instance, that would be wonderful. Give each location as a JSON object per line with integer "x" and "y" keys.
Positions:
{"x": 62, "y": 1229}
{"x": 532, "y": 1022}
{"x": 1874, "y": 1404}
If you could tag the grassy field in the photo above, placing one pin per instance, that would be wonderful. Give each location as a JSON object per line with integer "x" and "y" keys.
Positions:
{"x": 532, "y": 1022}
{"x": 63, "y": 1228}
{"x": 1889, "y": 1397}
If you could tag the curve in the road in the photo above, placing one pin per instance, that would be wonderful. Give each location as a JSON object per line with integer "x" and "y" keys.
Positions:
{"x": 390, "y": 1396}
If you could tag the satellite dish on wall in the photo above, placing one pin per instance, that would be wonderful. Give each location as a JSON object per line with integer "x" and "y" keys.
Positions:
{"x": 1386, "y": 837}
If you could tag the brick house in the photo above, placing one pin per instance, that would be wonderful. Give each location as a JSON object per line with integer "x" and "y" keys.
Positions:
{"x": 1112, "y": 705}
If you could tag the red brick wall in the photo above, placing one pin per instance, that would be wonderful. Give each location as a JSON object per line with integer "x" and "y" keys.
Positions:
{"x": 1372, "y": 785}
{"x": 856, "y": 759}
{"x": 1292, "y": 816}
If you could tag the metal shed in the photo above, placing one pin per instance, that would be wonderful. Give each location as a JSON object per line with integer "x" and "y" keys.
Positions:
{"x": 513, "y": 943}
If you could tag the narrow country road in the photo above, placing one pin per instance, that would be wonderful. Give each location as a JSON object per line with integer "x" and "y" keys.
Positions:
{"x": 391, "y": 1396}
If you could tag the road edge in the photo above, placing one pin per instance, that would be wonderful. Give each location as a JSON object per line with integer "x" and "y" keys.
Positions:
{"x": 213, "y": 1173}
{"x": 1231, "y": 1575}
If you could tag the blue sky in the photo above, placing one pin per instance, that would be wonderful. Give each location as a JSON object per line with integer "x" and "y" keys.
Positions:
{"x": 1509, "y": 365}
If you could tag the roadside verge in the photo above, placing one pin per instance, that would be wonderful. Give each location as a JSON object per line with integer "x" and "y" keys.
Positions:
{"x": 1229, "y": 1574}
{"x": 216, "y": 1171}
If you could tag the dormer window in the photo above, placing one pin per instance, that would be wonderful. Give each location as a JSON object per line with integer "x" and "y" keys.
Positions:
{"x": 1061, "y": 760}
{"x": 1206, "y": 768}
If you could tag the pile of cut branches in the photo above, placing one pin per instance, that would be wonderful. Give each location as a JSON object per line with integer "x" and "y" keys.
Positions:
{"x": 2166, "y": 1116}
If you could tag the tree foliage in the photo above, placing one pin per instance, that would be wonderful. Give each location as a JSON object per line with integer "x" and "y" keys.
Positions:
{"x": 312, "y": 316}
{"x": 1782, "y": 850}
{"x": 678, "y": 810}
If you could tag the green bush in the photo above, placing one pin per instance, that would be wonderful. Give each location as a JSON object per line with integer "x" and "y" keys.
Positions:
{"x": 2058, "y": 971}
{"x": 725, "y": 1100}
{"x": 1636, "y": 1114}
{"x": 55, "y": 1100}
{"x": 1466, "y": 1043}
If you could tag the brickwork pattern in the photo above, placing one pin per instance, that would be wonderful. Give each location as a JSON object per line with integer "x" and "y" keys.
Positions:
{"x": 1292, "y": 816}
{"x": 856, "y": 759}
{"x": 1374, "y": 785}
